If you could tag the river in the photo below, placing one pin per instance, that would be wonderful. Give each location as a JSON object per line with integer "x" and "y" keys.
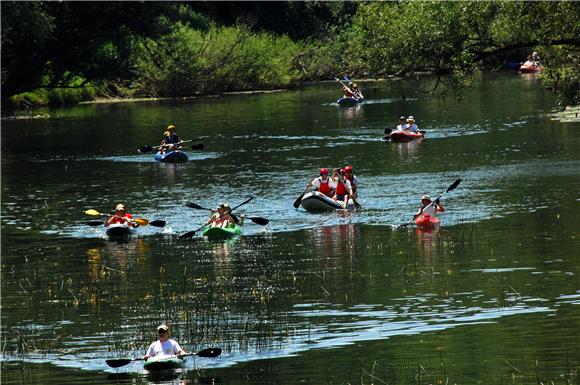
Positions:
{"x": 491, "y": 297}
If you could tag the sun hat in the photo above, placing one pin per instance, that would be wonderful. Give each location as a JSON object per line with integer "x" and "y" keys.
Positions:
{"x": 402, "y": 118}
{"x": 411, "y": 118}
{"x": 162, "y": 327}
{"x": 425, "y": 196}
{"x": 120, "y": 206}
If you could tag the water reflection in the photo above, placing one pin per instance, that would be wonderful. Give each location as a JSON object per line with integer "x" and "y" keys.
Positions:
{"x": 408, "y": 150}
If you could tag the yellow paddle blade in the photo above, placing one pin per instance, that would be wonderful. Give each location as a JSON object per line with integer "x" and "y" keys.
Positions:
{"x": 142, "y": 221}
{"x": 92, "y": 212}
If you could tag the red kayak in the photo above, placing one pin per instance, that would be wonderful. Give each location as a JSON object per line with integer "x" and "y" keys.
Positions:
{"x": 530, "y": 69}
{"x": 405, "y": 136}
{"x": 426, "y": 220}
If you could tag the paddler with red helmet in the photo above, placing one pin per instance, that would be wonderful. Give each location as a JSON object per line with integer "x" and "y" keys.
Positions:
{"x": 343, "y": 189}
{"x": 352, "y": 179}
{"x": 323, "y": 183}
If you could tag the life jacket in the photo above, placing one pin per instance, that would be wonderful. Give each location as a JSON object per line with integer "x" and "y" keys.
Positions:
{"x": 172, "y": 138}
{"x": 341, "y": 189}
{"x": 351, "y": 180}
{"x": 117, "y": 219}
{"x": 324, "y": 186}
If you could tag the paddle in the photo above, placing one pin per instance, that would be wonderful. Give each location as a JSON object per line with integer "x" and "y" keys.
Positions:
{"x": 139, "y": 221}
{"x": 257, "y": 220}
{"x": 145, "y": 149}
{"x": 299, "y": 199}
{"x": 190, "y": 234}
{"x": 117, "y": 363}
{"x": 360, "y": 95}
{"x": 450, "y": 188}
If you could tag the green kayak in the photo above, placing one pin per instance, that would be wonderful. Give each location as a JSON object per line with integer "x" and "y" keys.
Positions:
{"x": 164, "y": 363}
{"x": 222, "y": 233}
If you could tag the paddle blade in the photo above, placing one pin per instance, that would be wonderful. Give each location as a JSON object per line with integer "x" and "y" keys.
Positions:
{"x": 95, "y": 223}
{"x": 144, "y": 149}
{"x": 117, "y": 363}
{"x": 197, "y": 146}
{"x": 195, "y": 206}
{"x": 157, "y": 223}
{"x": 92, "y": 212}
{"x": 212, "y": 352}
{"x": 142, "y": 221}
{"x": 298, "y": 200}
{"x": 189, "y": 234}
{"x": 259, "y": 220}
{"x": 454, "y": 185}
{"x": 388, "y": 131}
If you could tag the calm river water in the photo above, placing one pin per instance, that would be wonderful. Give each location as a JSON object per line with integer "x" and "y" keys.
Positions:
{"x": 492, "y": 297}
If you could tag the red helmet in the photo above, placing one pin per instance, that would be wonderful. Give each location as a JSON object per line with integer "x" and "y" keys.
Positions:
{"x": 323, "y": 171}
{"x": 348, "y": 168}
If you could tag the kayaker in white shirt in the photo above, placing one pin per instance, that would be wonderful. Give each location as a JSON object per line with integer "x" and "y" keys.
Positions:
{"x": 411, "y": 126}
{"x": 432, "y": 210}
{"x": 323, "y": 183}
{"x": 164, "y": 346}
{"x": 402, "y": 124}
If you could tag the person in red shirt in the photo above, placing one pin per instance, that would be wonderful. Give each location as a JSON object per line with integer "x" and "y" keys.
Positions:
{"x": 121, "y": 216}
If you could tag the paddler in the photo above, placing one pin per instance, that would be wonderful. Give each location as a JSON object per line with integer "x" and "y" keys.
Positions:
{"x": 164, "y": 345}
{"x": 222, "y": 216}
{"x": 352, "y": 179}
{"x": 323, "y": 183}
{"x": 411, "y": 126}
{"x": 170, "y": 140}
{"x": 402, "y": 124}
{"x": 343, "y": 188}
{"x": 121, "y": 216}
{"x": 432, "y": 209}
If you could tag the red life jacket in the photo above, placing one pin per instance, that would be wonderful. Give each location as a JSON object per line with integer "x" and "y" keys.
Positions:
{"x": 117, "y": 219}
{"x": 341, "y": 189}
{"x": 351, "y": 180}
{"x": 324, "y": 186}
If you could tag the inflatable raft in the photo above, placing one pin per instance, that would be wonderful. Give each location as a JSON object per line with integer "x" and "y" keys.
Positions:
{"x": 404, "y": 136}
{"x": 317, "y": 201}
{"x": 530, "y": 69}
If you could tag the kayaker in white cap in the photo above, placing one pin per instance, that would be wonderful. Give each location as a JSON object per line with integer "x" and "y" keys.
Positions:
{"x": 431, "y": 210}
{"x": 222, "y": 216}
{"x": 121, "y": 216}
{"x": 164, "y": 345}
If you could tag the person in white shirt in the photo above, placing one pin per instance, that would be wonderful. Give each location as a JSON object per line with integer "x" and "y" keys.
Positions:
{"x": 428, "y": 208}
{"x": 411, "y": 126}
{"x": 164, "y": 346}
{"x": 323, "y": 183}
{"x": 402, "y": 124}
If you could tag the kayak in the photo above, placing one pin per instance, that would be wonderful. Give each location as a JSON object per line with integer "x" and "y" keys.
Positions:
{"x": 317, "y": 201}
{"x": 163, "y": 362}
{"x": 405, "y": 136}
{"x": 530, "y": 69}
{"x": 118, "y": 230}
{"x": 222, "y": 233}
{"x": 171, "y": 157}
{"x": 426, "y": 220}
{"x": 349, "y": 102}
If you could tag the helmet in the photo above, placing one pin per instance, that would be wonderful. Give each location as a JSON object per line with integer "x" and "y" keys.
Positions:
{"x": 348, "y": 168}
{"x": 171, "y": 127}
{"x": 323, "y": 171}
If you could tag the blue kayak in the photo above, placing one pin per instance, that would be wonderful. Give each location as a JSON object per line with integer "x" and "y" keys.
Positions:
{"x": 349, "y": 102}
{"x": 172, "y": 157}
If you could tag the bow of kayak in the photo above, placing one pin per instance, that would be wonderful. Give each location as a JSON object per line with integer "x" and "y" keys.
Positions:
{"x": 118, "y": 230}
{"x": 222, "y": 232}
{"x": 349, "y": 102}
{"x": 427, "y": 221}
{"x": 163, "y": 362}
{"x": 171, "y": 157}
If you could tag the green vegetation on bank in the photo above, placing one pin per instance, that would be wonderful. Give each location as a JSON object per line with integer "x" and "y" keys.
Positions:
{"x": 65, "y": 52}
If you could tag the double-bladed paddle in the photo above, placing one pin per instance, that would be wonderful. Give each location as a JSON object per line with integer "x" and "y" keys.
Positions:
{"x": 139, "y": 221}
{"x": 350, "y": 90}
{"x": 450, "y": 188}
{"x": 118, "y": 362}
{"x": 256, "y": 220}
{"x": 190, "y": 234}
{"x": 145, "y": 149}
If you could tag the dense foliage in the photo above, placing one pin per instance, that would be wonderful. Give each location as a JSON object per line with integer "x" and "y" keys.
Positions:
{"x": 182, "y": 49}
